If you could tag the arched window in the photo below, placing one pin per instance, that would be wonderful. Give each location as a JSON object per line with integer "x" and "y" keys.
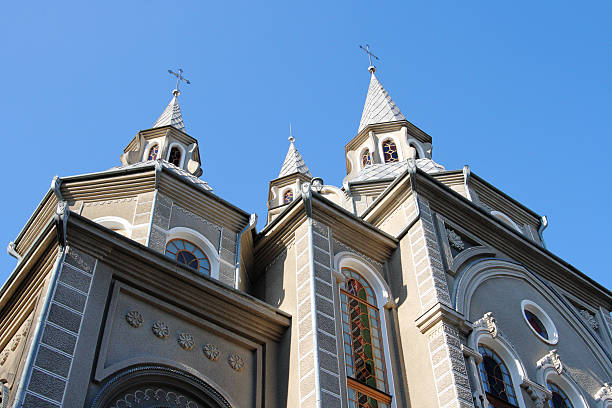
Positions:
{"x": 496, "y": 380}
{"x": 175, "y": 156}
{"x": 363, "y": 344}
{"x": 288, "y": 197}
{"x": 366, "y": 159}
{"x": 189, "y": 255}
{"x": 559, "y": 398}
{"x": 416, "y": 151}
{"x": 390, "y": 151}
{"x": 153, "y": 152}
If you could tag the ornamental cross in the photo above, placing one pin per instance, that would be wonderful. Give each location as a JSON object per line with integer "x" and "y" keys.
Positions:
{"x": 179, "y": 78}
{"x": 367, "y": 51}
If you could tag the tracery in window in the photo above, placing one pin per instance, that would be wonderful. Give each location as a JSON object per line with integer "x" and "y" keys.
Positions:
{"x": 559, "y": 398}
{"x": 363, "y": 344}
{"x": 390, "y": 151}
{"x": 366, "y": 159}
{"x": 288, "y": 197}
{"x": 496, "y": 379}
{"x": 189, "y": 255}
{"x": 536, "y": 323}
{"x": 175, "y": 156}
{"x": 153, "y": 152}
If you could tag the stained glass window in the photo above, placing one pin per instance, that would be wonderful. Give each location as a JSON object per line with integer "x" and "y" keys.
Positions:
{"x": 363, "y": 344}
{"x": 189, "y": 255}
{"x": 175, "y": 156}
{"x": 496, "y": 379}
{"x": 536, "y": 323}
{"x": 390, "y": 151}
{"x": 153, "y": 152}
{"x": 366, "y": 159}
{"x": 288, "y": 197}
{"x": 559, "y": 398}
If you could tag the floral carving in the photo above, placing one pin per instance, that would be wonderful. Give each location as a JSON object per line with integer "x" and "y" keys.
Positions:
{"x": 489, "y": 322}
{"x": 148, "y": 396}
{"x": 134, "y": 318}
{"x": 15, "y": 342}
{"x": 236, "y": 362}
{"x": 455, "y": 240}
{"x": 590, "y": 319}
{"x": 211, "y": 352}
{"x": 186, "y": 341}
{"x": 160, "y": 329}
{"x": 551, "y": 359}
{"x": 3, "y": 358}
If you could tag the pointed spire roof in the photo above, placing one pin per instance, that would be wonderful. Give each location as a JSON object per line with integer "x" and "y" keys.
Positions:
{"x": 379, "y": 107}
{"x": 294, "y": 163}
{"x": 172, "y": 114}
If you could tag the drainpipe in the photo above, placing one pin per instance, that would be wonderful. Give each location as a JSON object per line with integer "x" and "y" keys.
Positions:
{"x": 543, "y": 225}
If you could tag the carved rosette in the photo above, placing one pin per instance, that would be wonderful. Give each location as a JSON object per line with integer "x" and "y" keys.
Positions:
{"x": 455, "y": 240}
{"x": 211, "y": 352}
{"x": 134, "y": 318}
{"x": 551, "y": 359}
{"x": 186, "y": 341}
{"x": 236, "y": 362}
{"x": 160, "y": 329}
{"x": 590, "y": 319}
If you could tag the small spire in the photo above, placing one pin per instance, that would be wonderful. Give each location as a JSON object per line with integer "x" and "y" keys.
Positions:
{"x": 378, "y": 107}
{"x": 291, "y": 138}
{"x": 172, "y": 114}
{"x": 294, "y": 163}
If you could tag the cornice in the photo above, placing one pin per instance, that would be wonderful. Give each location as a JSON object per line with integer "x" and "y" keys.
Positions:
{"x": 413, "y": 130}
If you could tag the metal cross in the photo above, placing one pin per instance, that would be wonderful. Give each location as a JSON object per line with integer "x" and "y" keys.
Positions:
{"x": 179, "y": 77}
{"x": 370, "y": 55}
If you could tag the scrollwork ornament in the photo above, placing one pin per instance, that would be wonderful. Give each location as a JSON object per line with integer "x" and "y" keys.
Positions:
{"x": 590, "y": 319}
{"x": 211, "y": 352}
{"x": 489, "y": 322}
{"x": 160, "y": 329}
{"x": 186, "y": 341}
{"x": 134, "y": 318}
{"x": 455, "y": 240}
{"x": 551, "y": 359}
{"x": 604, "y": 393}
{"x": 236, "y": 362}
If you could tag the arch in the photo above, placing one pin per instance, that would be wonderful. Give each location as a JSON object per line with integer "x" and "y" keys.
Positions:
{"x": 153, "y": 152}
{"x": 188, "y": 254}
{"x": 142, "y": 386}
{"x": 421, "y": 154}
{"x": 201, "y": 242}
{"x": 382, "y": 294}
{"x": 181, "y": 149}
{"x": 506, "y": 220}
{"x": 288, "y": 196}
{"x": 496, "y": 378}
{"x": 365, "y": 157}
{"x": 117, "y": 224}
{"x": 390, "y": 150}
{"x": 548, "y": 373}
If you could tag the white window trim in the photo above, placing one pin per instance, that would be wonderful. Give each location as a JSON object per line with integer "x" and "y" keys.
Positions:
{"x": 181, "y": 148}
{"x": 361, "y": 166}
{"x": 111, "y": 222}
{"x": 201, "y": 242}
{"x": 282, "y": 196}
{"x": 551, "y": 329}
{"x": 400, "y": 154}
{"x": 567, "y": 385}
{"x": 382, "y": 291}
{"x": 149, "y": 145}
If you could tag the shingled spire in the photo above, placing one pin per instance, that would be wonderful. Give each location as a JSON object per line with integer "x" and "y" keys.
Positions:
{"x": 379, "y": 107}
{"x": 294, "y": 163}
{"x": 172, "y": 114}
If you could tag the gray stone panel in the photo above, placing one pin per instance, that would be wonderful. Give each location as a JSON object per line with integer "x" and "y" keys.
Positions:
{"x": 183, "y": 218}
{"x": 70, "y": 297}
{"x": 327, "y": 343}
{"x": 326, "y": 324}
{"x": 74, "y": 278}
{"x": 328, "y": 362}
{"x": 80, "y": 260}
{"x": 53, "y": 361}
{"x": 321, "y": 257}
{"x": 32, "y": 401}
{"x": 47, "y": 385}
{"x": 59, "y": 339}
{"x": 157, "y": 241}
{"x": 325, "y": 306}
{"x": 330, "y": 401}
{"x": 324, "y": 289}
{"x": 64, "y": 318}
{"x": 329, "y": 382}
{"x": 323, "y": 273}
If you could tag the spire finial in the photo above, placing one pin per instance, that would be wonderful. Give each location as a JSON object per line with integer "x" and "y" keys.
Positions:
{"x": 179, "y": 78}
{"x": 371, "y": 68}
{"x": 291, "y": 138}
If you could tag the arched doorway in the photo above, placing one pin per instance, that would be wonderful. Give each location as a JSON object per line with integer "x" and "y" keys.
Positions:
{"x": 158, "y": 387}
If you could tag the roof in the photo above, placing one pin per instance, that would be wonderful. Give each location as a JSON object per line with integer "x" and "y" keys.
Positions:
{"x": 294, "y": 163}
{"x": 393, "y": 170}
{"x": 171, "y": 115}
{"x": 378, "y": 107}
{"x": 167, "y": 166}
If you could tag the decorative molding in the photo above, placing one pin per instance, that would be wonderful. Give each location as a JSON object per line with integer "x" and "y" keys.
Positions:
{"x": 489, "y": 323}
{"x": 199, "y": 218}
{"x": 359, "y": 254}
{"x": 604, "y": 394}
{"x": 539, "y": 394}
{"x": 3, "y": 357}
{"x": 107, "y": 202}
{"x": 470, "y": 352}
{"x": 236, "y": 362}
{"x": 15, "y": 341}
{"x": 211, "y": 352}
{"x": 134, "y": 318}
{"x": 186, "y": 341}
{"x": 143, "y": 398}
{"x": 590, "y": 319}
{"x": 160, "y": 329}
{"x": 551, "y": 360}
{"x": 455, "y": 240}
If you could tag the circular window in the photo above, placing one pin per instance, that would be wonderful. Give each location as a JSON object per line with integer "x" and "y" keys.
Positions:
{"x": 539, "y": 322}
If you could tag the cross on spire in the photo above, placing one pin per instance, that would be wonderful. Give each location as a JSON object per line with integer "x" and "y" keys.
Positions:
{"x": 179, "y": 78}
{"x": 371, "y": 68}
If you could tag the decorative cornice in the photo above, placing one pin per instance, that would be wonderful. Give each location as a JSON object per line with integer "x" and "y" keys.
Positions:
{"x": 551, "y": 360}
{"x": 538, "y": 393}
{"x": 489, "y": 323}
{"x": 441, "y": 313}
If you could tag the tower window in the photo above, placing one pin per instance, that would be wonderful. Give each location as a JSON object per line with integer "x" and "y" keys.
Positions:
{"x": 559, "y": 398}
{"x": 363, "y": 344}
{"x": 496, "y": 380}
{"x": 188, "y": 254}
{"x": 390, "y": 151}
{"x": 153, "y": 152}
{"x": 288, "y": 197}
{"x": 416, "y": 151}
{"x": 175, "y": 156}
{"x": 366, "y": 159}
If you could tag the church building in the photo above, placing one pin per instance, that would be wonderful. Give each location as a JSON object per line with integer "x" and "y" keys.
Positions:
{"x": 410, "y": 285}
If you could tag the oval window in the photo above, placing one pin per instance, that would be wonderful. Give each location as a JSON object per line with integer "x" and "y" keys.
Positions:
{"x": 539, "y": 322}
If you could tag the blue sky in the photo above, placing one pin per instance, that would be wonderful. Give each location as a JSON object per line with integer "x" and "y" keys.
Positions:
{"x": 519, "y": 91}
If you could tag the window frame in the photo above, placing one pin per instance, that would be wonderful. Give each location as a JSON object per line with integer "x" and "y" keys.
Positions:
{"x": 182, "y": 150}
{"x": 397, "y": 150}
{"x": 197, "y": 258}
{"x": 201, "y": 242}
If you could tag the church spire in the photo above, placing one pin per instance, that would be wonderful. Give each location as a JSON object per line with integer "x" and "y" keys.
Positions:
{"x": 294, "y": 163}
{"x": 378, "y": 107}
{"x": 172, "y": 114}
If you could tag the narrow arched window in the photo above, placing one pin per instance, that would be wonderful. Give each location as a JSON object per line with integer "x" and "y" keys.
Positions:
{"x": 496, "y": 380}
{"x": 188, "y": 254}
{"x": 288, "y": 197}
{"x": 153, "y": 152}
{"x": 175, "y": 156}
{"x": 416, "y": 151}
{"x": 366, "y": 159}
{"x": 390, "y": 151}
{"x": 363, "y": 344}
{"x": 559, "y": 398}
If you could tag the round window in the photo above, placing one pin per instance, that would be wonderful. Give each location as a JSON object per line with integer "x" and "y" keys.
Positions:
{"x": 539, "y": 322}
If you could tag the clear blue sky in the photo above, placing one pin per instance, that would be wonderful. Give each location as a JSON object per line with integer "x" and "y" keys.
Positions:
{"x": 520, "y": 91}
